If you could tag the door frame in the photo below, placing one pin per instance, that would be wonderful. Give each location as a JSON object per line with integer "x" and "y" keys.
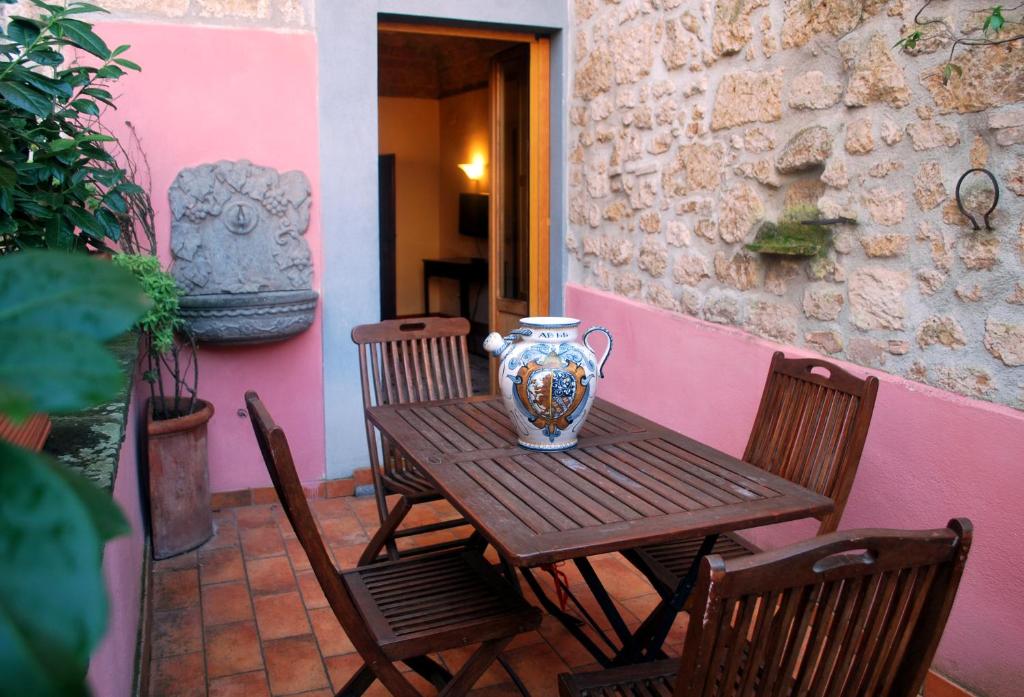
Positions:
{"x": 540, "y": 154}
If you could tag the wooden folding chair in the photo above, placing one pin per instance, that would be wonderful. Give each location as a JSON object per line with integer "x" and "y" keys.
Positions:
{"x": 810, "y": 428}
{"x": 401, "y": 610}
{"x": 403, "y": 361}
{"x": 851, "y": 614}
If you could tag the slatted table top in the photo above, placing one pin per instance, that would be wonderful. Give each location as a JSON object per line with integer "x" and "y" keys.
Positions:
{"x": 629, "y": 482}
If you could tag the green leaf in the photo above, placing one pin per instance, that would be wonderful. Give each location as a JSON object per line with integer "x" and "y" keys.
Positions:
{"x": 46, "y": 57}
{"x": 95, "y": 137}
{"x": 61, "y": 144}
{"x": 84, "y": 7}
{"x": 81, "y": 34}
{"x": 43, "y": 83}
{"x": 23, "y": 31}
{"x": 119, "y": 50}
{"x": 53, "y": 607}
{"x": 948, "y": 70}
{"x": 110, "y": 72}
{"x": 55, "y": 372}
{"x": 27, "y": 98}
{"x": 994, "y": 22}
{"x": 8, "y": 176}
{"x": 125, "y": 63}
{"x": 86, "y": 106}
{"x": 67, "y": 301}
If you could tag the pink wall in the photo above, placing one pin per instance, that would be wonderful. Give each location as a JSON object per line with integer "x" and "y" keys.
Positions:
{"x": 930, "y": 456}
{"x": 112, "y": 665}
{"x": 207, "y": 94}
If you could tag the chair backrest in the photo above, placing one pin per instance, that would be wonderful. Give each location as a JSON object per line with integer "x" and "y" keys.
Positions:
{"x": 413, "y": 360}
{"x": 811, "y": 427}
{"x": 409, "y": 360}
{"x": 856, "y": 613}
{"x": 278, "y": 458}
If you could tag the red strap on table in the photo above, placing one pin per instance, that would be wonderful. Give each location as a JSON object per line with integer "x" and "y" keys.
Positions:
{"x": 561, "y": 582}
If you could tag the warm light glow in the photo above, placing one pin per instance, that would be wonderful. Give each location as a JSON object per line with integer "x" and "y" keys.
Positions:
{"x": 475, "y": 169}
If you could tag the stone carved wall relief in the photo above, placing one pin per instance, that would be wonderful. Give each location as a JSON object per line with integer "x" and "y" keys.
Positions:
{"x": 239, "y": 253}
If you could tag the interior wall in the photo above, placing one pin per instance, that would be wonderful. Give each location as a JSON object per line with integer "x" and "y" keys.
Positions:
{"x": 464, "y": 133}
{"x": 409, "y": 129}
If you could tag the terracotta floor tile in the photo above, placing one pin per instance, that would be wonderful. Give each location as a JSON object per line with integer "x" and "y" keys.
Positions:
{"x": 454, "y": 659}
{"x": 178, "y": 676}
{"x": 225, "y": 532}
{"x": 283, "y": 524}
{"x": 220, "y": 564}
{"x": 279, "y": 616}
{"x": 347, "y": 556}
{"x": 259, "y": 542}
{"x": 504, "y": 690}
{"x": 232, "y": 648}
{"x": 177, "y": 632}
{"x": 226, "y": 603}
{"x": 565, "y": 644}
{"x": 297, "y": 555}
{"x": 255, "y": 516}
{"x": 365, "y": 508}
{"x": 538, "y": 667}
{"x": 182, "y": 561}
{"x": 331, "y": 508}
{"x": 524, "y": 639}
{"x": 343, "y": 530}
{"x": 589, "y": 603}
{"x": 270, "y": 575}
{"x": 620, "y": 578}
{"x": 243, "y": 685}
{"x": 174, "y": 589}
{"x": 342, "y": 668}
{"x": 936, "y": 685}
{"x": 426, "y": 539}
{"x": 226, "y": 500}
{"x": 419, "y": 515}
{"x": 329, "y": 634}
{"x": 294, "y": 665}
{"x": 312, "y": 594}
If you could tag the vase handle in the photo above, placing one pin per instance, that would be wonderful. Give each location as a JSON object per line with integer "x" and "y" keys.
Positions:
{"x": 607, "y": 351}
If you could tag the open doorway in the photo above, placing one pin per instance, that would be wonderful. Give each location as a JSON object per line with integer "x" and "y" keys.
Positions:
{"x": 462, "y": 122}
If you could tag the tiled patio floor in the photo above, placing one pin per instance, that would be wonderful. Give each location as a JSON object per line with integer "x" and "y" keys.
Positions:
{"x": 244, "y": 615}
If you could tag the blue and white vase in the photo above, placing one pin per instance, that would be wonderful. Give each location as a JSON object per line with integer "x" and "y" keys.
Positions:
{"x": 548, "y": 379}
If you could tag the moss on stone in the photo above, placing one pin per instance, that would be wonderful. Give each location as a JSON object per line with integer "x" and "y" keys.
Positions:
{"x": 90, "y": 441}
{"x": 791, "y": 239}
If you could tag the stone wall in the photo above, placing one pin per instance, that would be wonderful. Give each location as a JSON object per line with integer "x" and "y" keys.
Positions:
{"x": 691, "y": 123}
{"x": 276, "y": 14}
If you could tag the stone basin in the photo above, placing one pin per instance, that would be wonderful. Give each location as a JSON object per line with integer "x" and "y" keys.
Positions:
{"x": 249, "y": 318}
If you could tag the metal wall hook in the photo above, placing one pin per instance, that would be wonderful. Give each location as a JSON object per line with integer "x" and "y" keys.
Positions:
{"x": 995, "y": 199}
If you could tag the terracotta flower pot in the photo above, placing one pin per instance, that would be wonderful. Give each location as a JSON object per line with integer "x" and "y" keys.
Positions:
{"x": 179, "y": 482}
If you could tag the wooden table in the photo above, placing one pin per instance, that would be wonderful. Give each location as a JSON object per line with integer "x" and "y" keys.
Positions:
{"x": 629, "y": 482}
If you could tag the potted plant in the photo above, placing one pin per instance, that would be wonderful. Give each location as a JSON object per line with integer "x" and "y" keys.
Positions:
{"x": 176, "y": 419}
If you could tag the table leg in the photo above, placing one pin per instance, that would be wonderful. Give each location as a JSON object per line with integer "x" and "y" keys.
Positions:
{"x": 603, "y": 599}
{"x": 646, "y": 643}
{"x": 572, "y": 624}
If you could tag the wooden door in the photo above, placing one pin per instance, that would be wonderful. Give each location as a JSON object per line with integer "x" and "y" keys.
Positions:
{"x": 520, "y": 154}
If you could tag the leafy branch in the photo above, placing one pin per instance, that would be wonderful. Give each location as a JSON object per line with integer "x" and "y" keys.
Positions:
{"x": 991, "y": 27}
{"x": 61, "y": 184}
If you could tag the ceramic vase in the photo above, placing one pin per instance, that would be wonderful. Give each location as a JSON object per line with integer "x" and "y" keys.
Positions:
{"x": 548, "y": 378}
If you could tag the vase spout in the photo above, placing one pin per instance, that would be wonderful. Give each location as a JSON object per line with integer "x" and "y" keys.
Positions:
{"x": 498, "y": 345}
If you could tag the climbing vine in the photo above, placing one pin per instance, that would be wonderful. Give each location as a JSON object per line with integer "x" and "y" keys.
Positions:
{"x": 991, "y": 35}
